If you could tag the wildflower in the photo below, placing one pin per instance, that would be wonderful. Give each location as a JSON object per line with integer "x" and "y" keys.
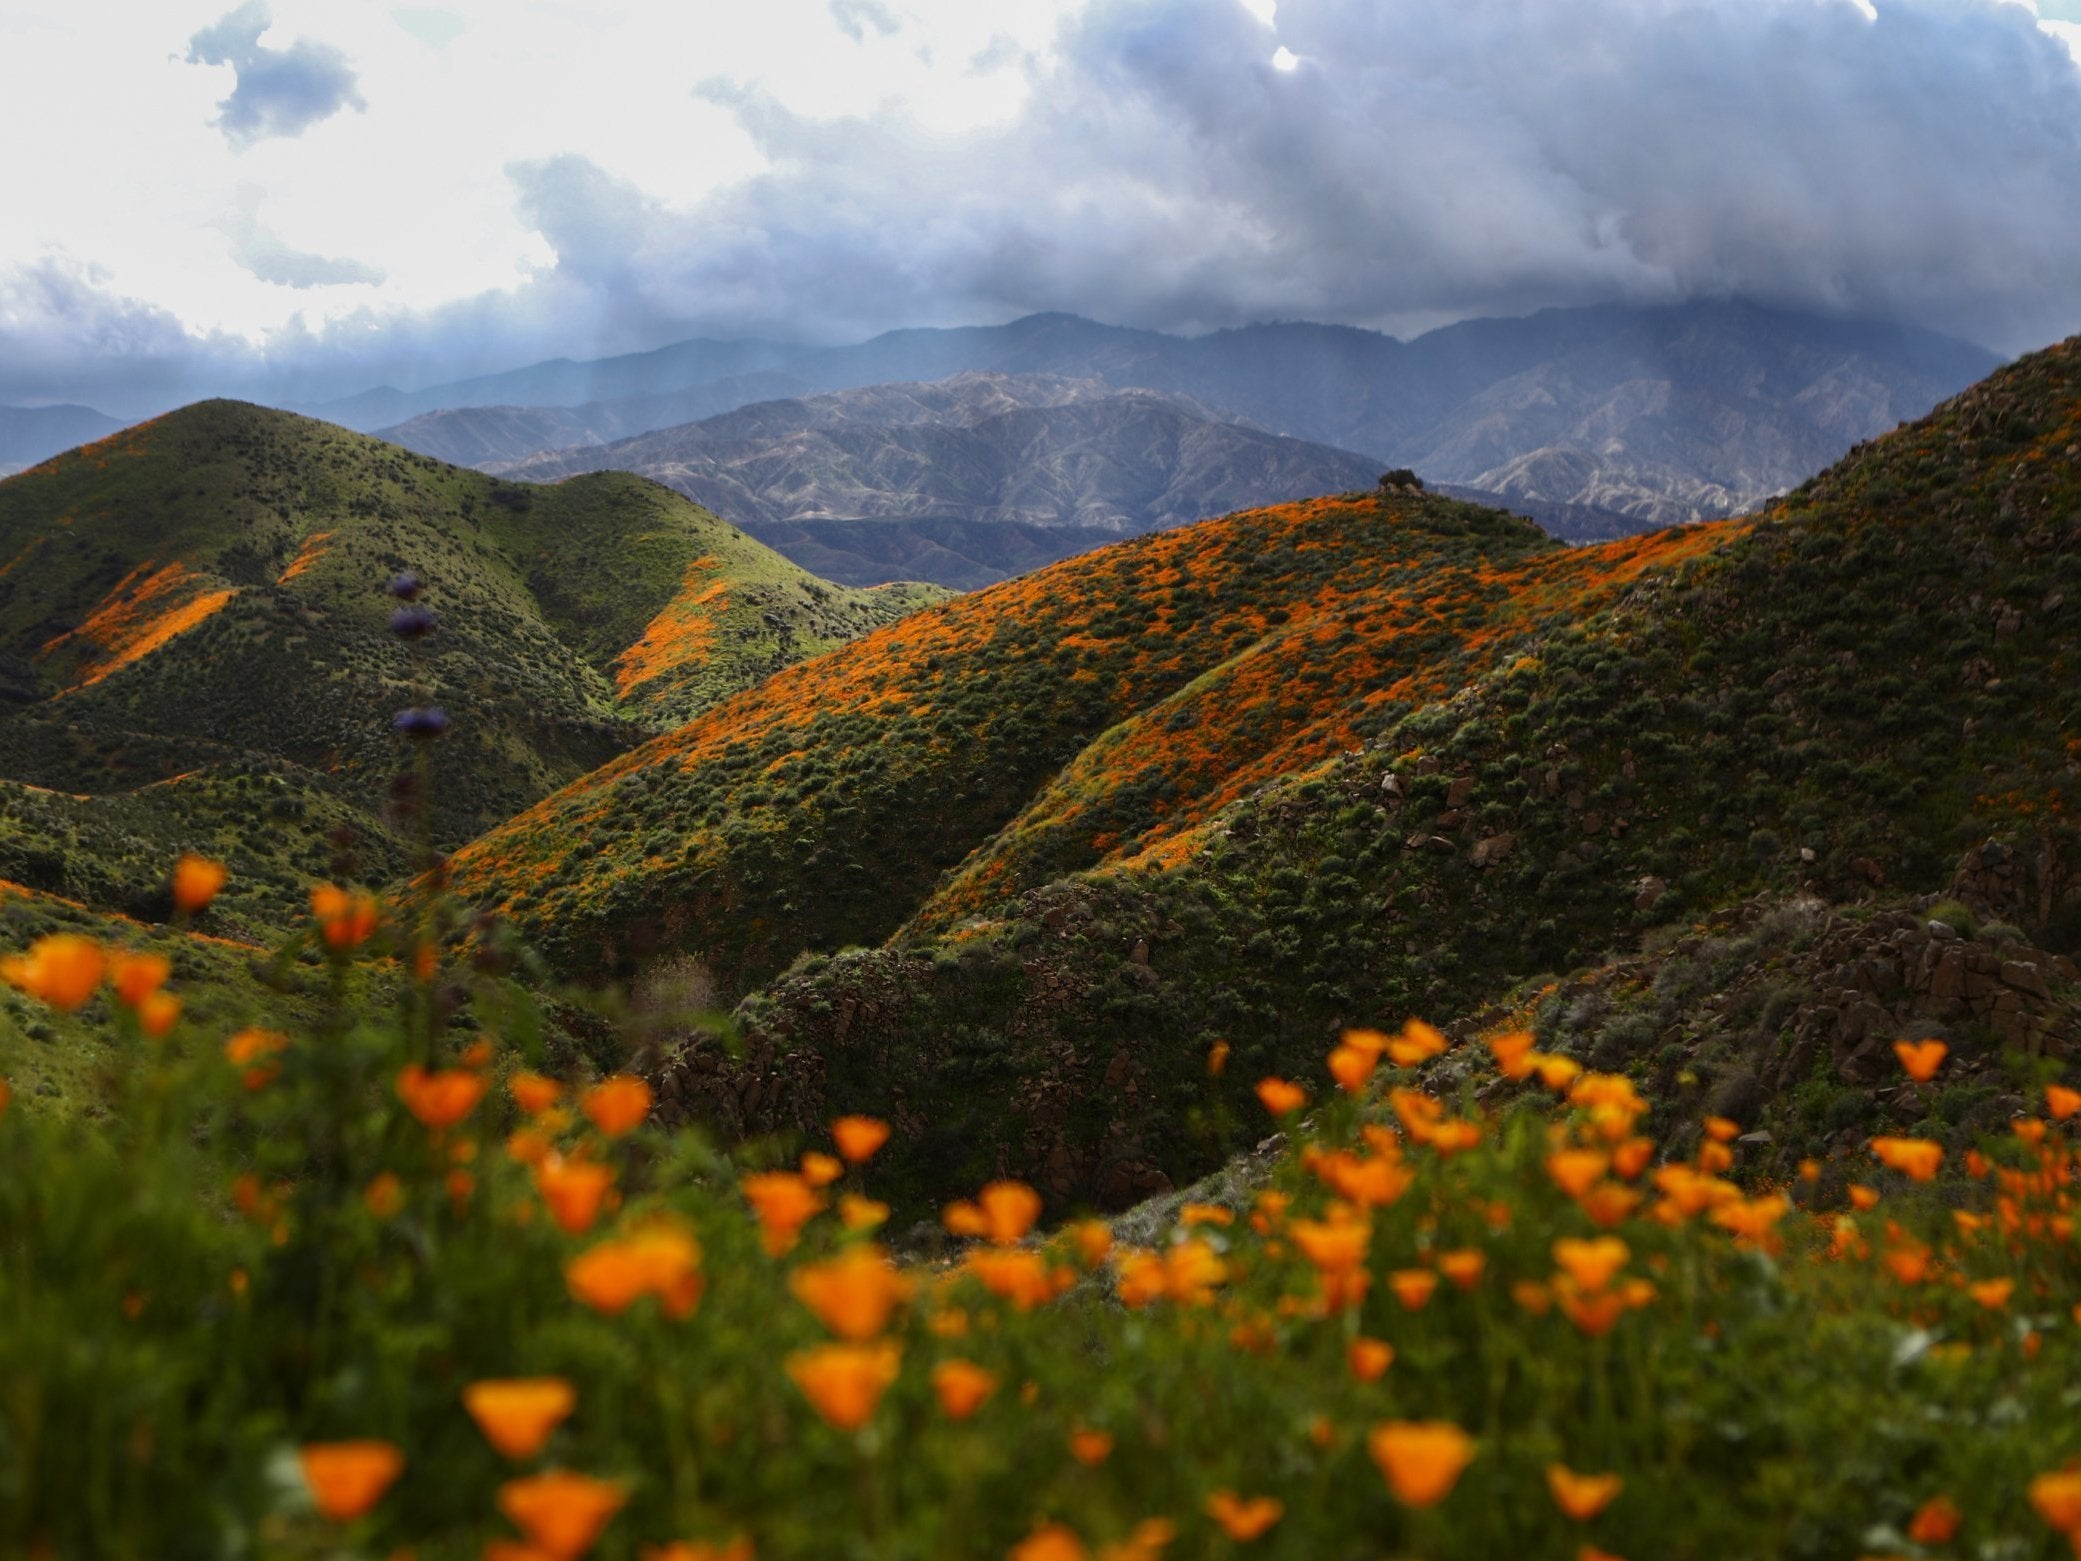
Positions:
{"x": 1630, "y": 1158}
{"x": 660, "y": 1260}
{"x": 844, "y": 1382}
{"x": 1609, "y": 1203}
{"x": 1093, "y": 1239}
{"x": 1241, "y": 1520}
{"x": 1908, "y": 1262}
{"x": 858, "y": 1213}
{"x": 1513, "y": 1054}
{"x": 1049, "y": 1542}
{"x": 1417, "y": 1043}
{"x": 858, "y": 1138}
{"x": 1591, "y": 1264}
{"x": 137, "y": 976}
{"x": 1002, "y": 1213}
{"x": 439, "y": 1098}
{"x": 1862, "y": 1197}
{"x": 1557, "y": 1073}
{"x": 61, "y": 968}
{"x": 1192, "y": 1214}
{"x": 1576, "y": 1171}
{"x": 1463, "y": 1266}
{"x": 1146, "y": 1542}
{"x": 1752, "y": 1220}
{"x": 1281, "y": 1098}
{"x": 516, "y": 1414}
{"x": 1421, "y": 1460}
{"x": 1090, "y": 1448}
{"x": 1369, "y": 1359}
{"x": 1217, "y": 1059}
{"x": 346, "y": 918}
{"x": 1455, "y": 1135}
{"x": 1921, "y": 1059}
{"x": 1532, "y": 1296}
{"x": 533, "y": 1093}
{"x": 1186, "y": 1274}
{"x": 384, "y": 1196}
{"x": 348, "y": 1478}
{"x": 6, "y": 1095}
{"x": 1935, "y": 1521}
{"x": 2061, "y": 1101}
{"x": 853, "y": 1294}
{"x": 1351, "y": 1066}
{"x": 1722, "y": 1130}
{"x": 252, "y": 1050}
{"x": 196, "y": 880}
{"x": 820, "y": 1169}
{"x": 1993, "y": 1294}
{"x": 962, "y": 1386}
{"x": 1370, "y": 1181}
{"x": 1915, "y": 1158}
{"x": 1581, "y": 1496}
{"x": 1594, "y": 1312}
{"x": 2057, "y": 1498}
{"x": 1021, "y": 1277}
{"x": 1335, "y": 1245}
{"x": 784, "y": 1202}
{"x": 616, "y": 1106}
{"x": 158, "y": 1014}
{"x": 1412, "y": 1286}
{"x": 561, "y": 1513}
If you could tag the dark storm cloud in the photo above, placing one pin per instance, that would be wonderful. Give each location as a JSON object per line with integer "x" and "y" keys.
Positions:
{"x": 1427, "y": 160}
{"x": 279, "y": 92}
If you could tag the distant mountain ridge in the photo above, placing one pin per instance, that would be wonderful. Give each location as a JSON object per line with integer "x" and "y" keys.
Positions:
{"x": 32, "y": 434}
{"x": 1663, "y": 414}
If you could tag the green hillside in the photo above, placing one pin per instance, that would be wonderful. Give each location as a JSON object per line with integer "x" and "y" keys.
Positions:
{"x": 1837, "y": 699}
{"x": 203, "y": 595}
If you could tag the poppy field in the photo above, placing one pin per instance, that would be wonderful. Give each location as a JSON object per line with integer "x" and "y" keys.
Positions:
{"x": 380, "y": 1286}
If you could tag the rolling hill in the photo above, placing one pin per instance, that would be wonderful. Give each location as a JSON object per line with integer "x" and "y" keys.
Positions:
{"x": 194, "y": 641}
{"x": 1342, "y": 761}
{"x": 32, "y": 434}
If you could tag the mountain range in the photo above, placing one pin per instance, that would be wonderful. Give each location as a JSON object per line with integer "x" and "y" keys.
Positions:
{"x": 1661, "y": 414}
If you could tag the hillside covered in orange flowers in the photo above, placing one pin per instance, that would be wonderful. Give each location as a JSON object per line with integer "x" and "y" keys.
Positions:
{"x": 195, "y": 644}
{"x": 1331, "y": 762}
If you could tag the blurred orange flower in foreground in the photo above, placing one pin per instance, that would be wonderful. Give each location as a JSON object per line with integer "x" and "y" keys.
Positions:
{"x": 1915, "y": 1158}
{"x": 516, "y": 1414}
{"x": 62, "y": 968}
{"x": 1280, "y": 1097}
{"x": 196, "y": 880}
{"x": 618, "y": 1105}
{"x": 962, "y": 1386}
{"x": 439, "y": 1098}
{"x": 859, "y": 1137}
{"x": 1243, "y": 1520}
{"x": 560, "y": 1512}
{"x": 1921, "y": 1059}
{"x": 1582, "y": 1496}
{"x": 844, "y": 1382}
{"x": 852, "y": 1294}
{"x": 1421, "y": 1460}
{"x": 1002, "y": 1212}
{"x": 784, "y": 1203}
{"x": 573, "y": 1189}
{"x": 346, "y": 917}
{"x": 348, "y": 1478}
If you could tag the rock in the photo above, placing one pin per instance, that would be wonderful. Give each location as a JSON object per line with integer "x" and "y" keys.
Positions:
{"x": 1139, "y": 954}
{"x": 1808, "y": 855}
{"x": 1869, "y": 870}
{"x": 1759, "y": 1139}
{"x": 1391, "y": 785}
{"x": 1460, "y": 791}
{"x": 1429, "y": 764}
{"x": 1648, "y": 892}
{"x": 2026, "y": 978}
{"x": 1451, "y": 818}
{"x": 1493, "y": 850}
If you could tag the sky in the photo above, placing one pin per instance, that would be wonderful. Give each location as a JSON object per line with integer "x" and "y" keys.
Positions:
{"x": 297, "y": 199}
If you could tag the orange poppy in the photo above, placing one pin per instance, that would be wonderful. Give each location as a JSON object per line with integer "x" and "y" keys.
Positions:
{"x": 517, "y": 1414}
{"x": 61, "y": 968}
{"x": 2057, "y": 1498}
{"x": 1369, "y": 1358}
{"x": 1463, "y": 1266}
{"x": 1217, "y": 1059}
{"x": 858, "y": 1213}
{"x": 852, "y": 1294}
{"x": 1992, "y": 1293}
{"x": 1421, "y": 1460}
{"x": 253, "y": 1051}
{"x": 384, "y": 1196}
{"x": 1412, "y": 1286}
{"x": 1049, "y": 1542}
{"x": 1351, "y": 1067}
{"x": 1090, "y": 1448}
{"x": 858, "y": 1138}
{"x": 844, "y": 1382}
{"x": 784, "y": 1202}
{"x": 137, "y": 976}
{"x": 1915, "y": 1158}
{"x": 348, "y": 1478}
{"x": 1335, "y": 1245}
{"x": 1002, "y": 1213}
{"x": 1862, "y": 1197}
{"x": 346, "y": 917}
{"x": 737, "y": 1549}
{"x": 1582, "y": 1496}
{"x": 1576, "y": 1171}
{"x": 1513, "y": 1053}
{"x": 1094, "y": 1240}
{"x": 660, "y": 1260}
{"x": 962, "y": 1386}
{"x": 158, "y": 1014}
{"x": 561, "y": 1513}
{"x": 1279, "y": 1097}
{"x": 2062, "y": 1102}
{"x": 617, "y": 1105}
{"x": 1417, "y": 1043}
{"x": 196, "y": 880}
{"x": 439, "y": 1098}
{"x": 1921, "y": 1059}
{"x": 1243, "y": 1520}
{"x": 1935, "y": 1522}
{"x": 1591, "y": 1264}
{"x": 573, "y": 1189}
{"x": 533, "y": 1093}
{"x": 1019, "y": 1276}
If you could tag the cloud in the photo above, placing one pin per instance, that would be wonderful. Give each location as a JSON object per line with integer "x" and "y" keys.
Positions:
{"x": 263, "y": 253}
{"x": 854, "y": 17}
{"x": 278, "y": 92}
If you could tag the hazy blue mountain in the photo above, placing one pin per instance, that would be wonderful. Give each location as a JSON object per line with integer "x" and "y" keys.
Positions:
{"x": 32, "y": 434}
{"x": 1662, "y": 414}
